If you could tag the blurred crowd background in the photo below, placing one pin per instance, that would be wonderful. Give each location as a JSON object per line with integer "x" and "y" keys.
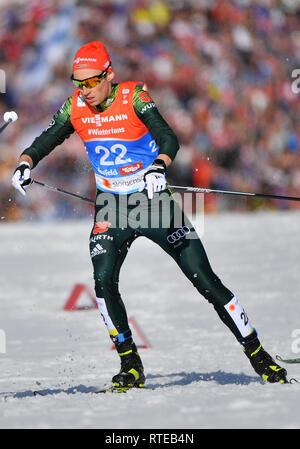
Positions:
{"x": 220, "y": 71}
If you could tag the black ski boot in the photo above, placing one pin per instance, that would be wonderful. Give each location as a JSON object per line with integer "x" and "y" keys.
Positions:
{"x": 131, "y": 374}
{"x": 262, "y": 363}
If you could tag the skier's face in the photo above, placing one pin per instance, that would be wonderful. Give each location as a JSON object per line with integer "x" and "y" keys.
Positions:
{"x": 97, "y": 94}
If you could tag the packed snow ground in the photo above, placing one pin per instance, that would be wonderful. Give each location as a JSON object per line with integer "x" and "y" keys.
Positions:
{"x": 200, "y": 376}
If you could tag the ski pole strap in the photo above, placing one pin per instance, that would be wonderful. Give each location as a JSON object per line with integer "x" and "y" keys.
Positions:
{"x": 230, "y": 192}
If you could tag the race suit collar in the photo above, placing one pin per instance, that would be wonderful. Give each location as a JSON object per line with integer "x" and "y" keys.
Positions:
{"x": 109, "y": 100}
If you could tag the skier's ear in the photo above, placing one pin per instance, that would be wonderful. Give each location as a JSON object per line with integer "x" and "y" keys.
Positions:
{"x": 110, "y": 76}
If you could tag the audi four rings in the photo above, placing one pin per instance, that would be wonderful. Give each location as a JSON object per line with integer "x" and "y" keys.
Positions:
{"x": 179, "y": 234}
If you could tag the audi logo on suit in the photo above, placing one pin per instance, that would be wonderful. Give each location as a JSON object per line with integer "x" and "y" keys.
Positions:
{"x": 179, "y": 234}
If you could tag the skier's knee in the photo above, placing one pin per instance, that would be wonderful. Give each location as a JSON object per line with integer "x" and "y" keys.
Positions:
{"x": 104, "y": 282}
{"x": 215, "y": 292}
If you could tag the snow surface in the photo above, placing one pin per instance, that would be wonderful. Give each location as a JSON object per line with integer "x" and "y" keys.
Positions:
{"x": 200, "y": 376}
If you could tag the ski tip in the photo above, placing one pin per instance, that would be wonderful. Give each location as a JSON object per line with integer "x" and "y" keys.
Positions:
{"x": 293, "y": 381}
{"x": 38, "y": 393}
{"x": 287, "y": 360}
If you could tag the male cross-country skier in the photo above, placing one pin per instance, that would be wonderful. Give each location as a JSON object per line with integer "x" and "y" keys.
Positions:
{"x": 130, "y": 146}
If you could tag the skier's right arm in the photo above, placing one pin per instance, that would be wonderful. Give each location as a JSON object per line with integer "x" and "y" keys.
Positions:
{"x": 59, "y": 129}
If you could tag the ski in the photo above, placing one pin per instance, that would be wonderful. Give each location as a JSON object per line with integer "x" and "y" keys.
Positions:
{"x": 5, "y": 395}
{"x": 115, "y": 389}
{"x": 96, "y": 390}
{"x": 287, "y": 360}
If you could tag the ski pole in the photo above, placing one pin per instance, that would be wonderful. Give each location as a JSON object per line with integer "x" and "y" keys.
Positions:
{"x": 8, "y": 117}
{"x": 229, "y": 192}
{"x": 189, "y": 189}
{"x": 57, "y": 189}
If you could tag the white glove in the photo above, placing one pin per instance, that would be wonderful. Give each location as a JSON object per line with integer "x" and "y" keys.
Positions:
{"x": 155, "y": 178}
{"x": 21, "y": 177}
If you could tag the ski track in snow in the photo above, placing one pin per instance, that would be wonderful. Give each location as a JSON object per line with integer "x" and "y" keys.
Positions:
{"x": 200, "y": 377}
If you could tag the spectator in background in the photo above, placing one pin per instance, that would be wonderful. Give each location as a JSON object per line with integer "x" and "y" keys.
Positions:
{"x": 220, "y": 72}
